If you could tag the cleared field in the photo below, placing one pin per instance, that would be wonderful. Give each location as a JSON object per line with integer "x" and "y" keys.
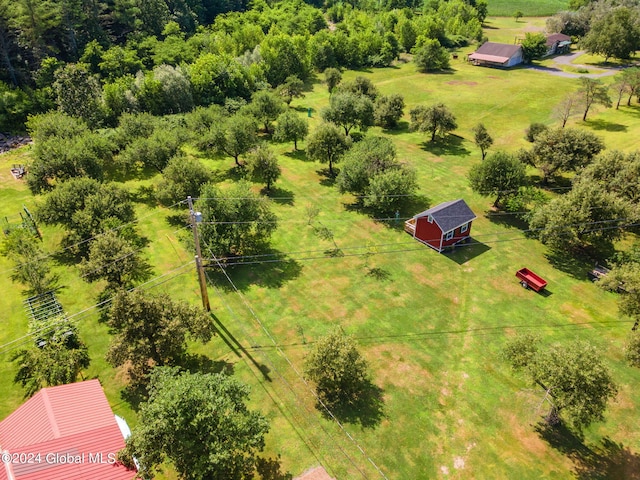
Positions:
{"x": 539, "y": 8}
{"x": 431, "y": 326}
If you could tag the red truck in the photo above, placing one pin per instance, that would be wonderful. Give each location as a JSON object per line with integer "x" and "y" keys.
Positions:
{"x": 528, "y": 279}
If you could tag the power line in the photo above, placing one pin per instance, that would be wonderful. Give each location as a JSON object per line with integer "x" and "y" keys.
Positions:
{"x": 296, "y": 371}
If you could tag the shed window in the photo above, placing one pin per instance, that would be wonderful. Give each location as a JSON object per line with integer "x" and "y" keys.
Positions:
{"x": 449, "y": 235}
{"x": 464, "y": 228}
{"x": 429, "y": 219}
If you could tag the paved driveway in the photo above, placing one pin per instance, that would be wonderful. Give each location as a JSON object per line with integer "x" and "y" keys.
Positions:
{"x": 566, "y": 60}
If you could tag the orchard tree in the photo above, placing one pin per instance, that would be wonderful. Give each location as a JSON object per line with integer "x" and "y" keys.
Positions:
{"x": 632, "y": 349}
{"x": 200, "y": 423}
{"x": 291, "y": 127}
{"x": 501, "y": 175}
{"x": 534, "y": 46}
{"x": 563, "y": 150}
{"x": 577, "y": 382}
{"x": 482, "y": 138}
{"x": 360, "y": 86}
{"x": 518, "y": 15}
{"x": 337, "y": 368}
{"x": 327, "y": 144}
{"x": 332, "y": 77}
{"x": 371, "y": 156}
{"x": 628, "y": 81}
{"x": 262, "y": 165}
{"x": 388, "y": 110}
{"x": 237, "y": 221}
{"x": 624, "y": 278}
{"x": 32, "y": 267}
{"x": 115, "y": 259}
{"x": 349, "y": 110}
{"x": 152, "y": 330}
{"x": 587, "y": 215}
{"x": 57, "y": 358}
{"x": 235, "y": 137}
{"x": 533, "y": 130}
{"x": 153, "y": 151}
{"x": 429, "y": 55}
{"x": 290, "y": 89}
{"x": 568, "y": 107}
{"x": 615, "y": 172}
{"x": 265, "y": 106}
{"x": 182, "y": 177}
{"x": 391, "y": 190}
{"x": 436, "y": 120}
{"x": 592, "y": 92}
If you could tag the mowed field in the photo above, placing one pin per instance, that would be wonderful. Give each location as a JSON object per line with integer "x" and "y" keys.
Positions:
{"x": 431, "y": 326}
{"x": 538, "y": 8}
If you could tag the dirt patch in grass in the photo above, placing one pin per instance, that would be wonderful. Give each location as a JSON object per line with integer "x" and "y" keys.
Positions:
{"x": 462, "y": 82}
{"x": 437, "y": 159}
{"x": 576, "y": 314}
{"x": 422, "y": 275}
{"x": 400, "y": 370}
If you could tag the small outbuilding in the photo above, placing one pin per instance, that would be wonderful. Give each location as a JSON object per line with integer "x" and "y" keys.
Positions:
{"x": 558, "y": 43}
{"x": 492, "y": 54}
{"x": 442, "y": 226}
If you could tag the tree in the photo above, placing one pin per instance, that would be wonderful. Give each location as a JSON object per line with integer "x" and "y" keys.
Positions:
{"x": 501, "y": 175}
{"x": 349, "y": 110}
{"x": 153, "y": 151}
{"x": 482, "y": 138}
{"x": 632, "y": 350}
{"x": 152, "y": 330}
{"x": 534, "y": 46}
{"x": 587, "y": 215}
{"x": 265, "y": 106}
{"x": 563, "y": 150}
{"x": 262, "y": 165}
{"x": 57, "y": 358}
{"x": 327, "y": 144}
{"x": 615, "y": 172}
{"x": 235, "y": 137}
{"x": 290, "y": 127}
{"x": 367, "y": 158}
{"x": 534, "y": 130}
{"x": 116, "y": 260}
{"x": 628, "y": 81}
{"x": 337, "y": 368}
{"x": 283, "y": 56}
{"x": 624, "y": 278}
{"x": 614, "y": 34}
{"x": 429, "y": 55}
{"x": 236, "y": 220}
{"x": 183, "y": 176}
{"x": 591, "y": 93}
{"x": 291, "y": 88}
{"x": 391, "y": 190}
{"x": 332, "y": 78}
{"x": 86, "y": 208}
{"x": 518, "y": 15}
{"x": 568, "y": 107}
{"x": 435, "y": 119}
{"x": 200, "y": 423}
{"x": 78, "y": 94}
{"x": 388, "y": 110}
{"x": 32, "y": 265}
{"x": 577, "y": 381}
{"x": 360, "y": 86}
{"x": 521, "y": 350}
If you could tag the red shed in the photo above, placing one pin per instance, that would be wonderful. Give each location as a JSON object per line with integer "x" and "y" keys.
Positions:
{"x": 443, "y": 225}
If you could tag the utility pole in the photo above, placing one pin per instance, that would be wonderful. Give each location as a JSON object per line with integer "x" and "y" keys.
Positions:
{"x": 195, "y": 218}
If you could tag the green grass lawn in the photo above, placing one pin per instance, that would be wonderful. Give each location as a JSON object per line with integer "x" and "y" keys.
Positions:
{"x": 539, "y": 8}
{"x": 431, "y": 325}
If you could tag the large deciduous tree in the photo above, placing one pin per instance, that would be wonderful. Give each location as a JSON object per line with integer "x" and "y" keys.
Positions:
{"x": 615, "y": 172}
{"x": 349, "y": 110}
{"x": 388, "y": 110}
{"x": 501, "y": 175}
{"x": 78, "y": 94}
{"x": 327, "y": 144}
{"x": 200, "y": 423}
{"x": 435, "y": 120}
{"x": 614, "y": 34}
{"x": 265, "y": 107}
{"x": 291, "y": 127}
{"x": 592, "y": 92}
{"x": 152, "y": 331}
{"x": 587, "y": 215}
{"x": 429, "y": 55}
{"x": 237, "y": 221}
{"x": 182, "y": 177}
{"x": 337, "y": 368}
{"x": 235, "y": 137}
{"x": 562, "y": 150}
{"x": 534, "y": 46}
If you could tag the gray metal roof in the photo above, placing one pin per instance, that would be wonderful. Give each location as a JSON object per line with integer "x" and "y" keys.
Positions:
{"x": 450, "y": 215}
{"x": 498, "y": 49}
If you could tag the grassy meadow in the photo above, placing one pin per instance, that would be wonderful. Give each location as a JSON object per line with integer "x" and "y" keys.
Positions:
{"x": 539, "y": 8}
{"x": 431, "y": 325}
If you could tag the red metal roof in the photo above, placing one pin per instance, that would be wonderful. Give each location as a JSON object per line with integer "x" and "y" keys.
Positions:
{"x": 58, "y": 424}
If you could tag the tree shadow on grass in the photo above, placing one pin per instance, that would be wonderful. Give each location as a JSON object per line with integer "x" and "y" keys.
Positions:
{"x": 451, "y": 145}
{"x": 599, "y": 124}
{"x": 146, "y": 195}
{"x": 279, "y": 195}
{"x": 367, "y": 410}
{"x": 578, "y": 263}
{"x": 605, "y": 461}
{"x": 400, "y": 129}
{"x": 270, "y": 270}
{"x": 197, "y": 363}
{"x": 298, "y": 155}
{"x": 507, "y": 219}
{"x": 269, "y": 469}
{"x": 379, "y": 274}
{"x": 328, "y": 180}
